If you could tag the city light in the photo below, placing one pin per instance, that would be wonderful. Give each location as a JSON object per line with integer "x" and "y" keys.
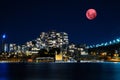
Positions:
{"x": 102, "y": 44}
{"x": 110, "y": 42}
{"x": 91, "y": 47}
{"x": 114, "y": 41}
{"x": 88, "y": 47}
{"x": 97, "y": 45}
{"x": 3, "y": 36}
{"x": 118, "y": 40}
{"x": 106, "y": 44}
{"x": 50, "y": 41}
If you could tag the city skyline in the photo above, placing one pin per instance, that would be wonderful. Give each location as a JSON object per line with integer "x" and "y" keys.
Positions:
{"x": 48, "y": 33}
{"x": 24, "y": 20}
{"x": 48, "y": 46}
{"x": 45, "y": 40}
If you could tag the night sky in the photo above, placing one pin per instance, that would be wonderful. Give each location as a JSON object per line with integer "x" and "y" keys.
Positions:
{"x": 24, "y": 20}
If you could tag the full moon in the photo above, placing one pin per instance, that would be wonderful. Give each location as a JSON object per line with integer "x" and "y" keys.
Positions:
{"x": 91, "y": 14}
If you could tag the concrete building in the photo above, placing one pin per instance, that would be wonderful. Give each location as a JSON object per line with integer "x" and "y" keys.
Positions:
{"x": 52, "y": 39}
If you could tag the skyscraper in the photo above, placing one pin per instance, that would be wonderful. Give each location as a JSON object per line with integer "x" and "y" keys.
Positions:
{"x": 3, "y": 41}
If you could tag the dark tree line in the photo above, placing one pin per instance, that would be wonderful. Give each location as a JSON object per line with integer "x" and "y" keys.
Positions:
{"x": 50, "y": 53}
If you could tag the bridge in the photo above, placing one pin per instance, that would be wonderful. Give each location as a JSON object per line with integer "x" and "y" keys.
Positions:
{"x": 110, "y": 47}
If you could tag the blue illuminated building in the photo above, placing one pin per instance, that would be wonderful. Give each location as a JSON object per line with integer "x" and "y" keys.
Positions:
{"x": 4, "y": 47}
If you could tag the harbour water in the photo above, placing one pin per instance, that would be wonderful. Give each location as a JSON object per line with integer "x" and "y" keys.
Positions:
{"x": 60, "y": 71}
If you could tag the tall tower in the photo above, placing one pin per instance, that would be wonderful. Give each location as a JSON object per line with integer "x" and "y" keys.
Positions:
{"x": 3, "y": 41}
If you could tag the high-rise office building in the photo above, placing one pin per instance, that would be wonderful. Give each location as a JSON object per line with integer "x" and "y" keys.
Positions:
{"x": 12, "y": 48}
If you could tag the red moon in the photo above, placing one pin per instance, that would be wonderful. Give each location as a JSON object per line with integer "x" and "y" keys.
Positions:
{"x": 91, "y": 14}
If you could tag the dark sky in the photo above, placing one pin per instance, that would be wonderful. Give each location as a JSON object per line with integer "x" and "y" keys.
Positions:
{"x": 24, "y": 20}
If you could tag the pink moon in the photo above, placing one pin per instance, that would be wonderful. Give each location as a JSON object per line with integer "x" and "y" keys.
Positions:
{"x": 91, "y": 14}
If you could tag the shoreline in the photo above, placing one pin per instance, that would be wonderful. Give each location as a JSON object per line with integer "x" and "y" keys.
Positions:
{"x": 64, "y": 62}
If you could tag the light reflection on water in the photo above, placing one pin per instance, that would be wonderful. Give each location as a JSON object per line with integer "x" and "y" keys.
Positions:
{"x": 60, "y": 71}
{"x": 116, "y": 68}
{"x": 3, "y": 71}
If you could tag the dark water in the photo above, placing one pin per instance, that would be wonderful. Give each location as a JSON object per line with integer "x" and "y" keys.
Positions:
{"x": 60, "y": 71}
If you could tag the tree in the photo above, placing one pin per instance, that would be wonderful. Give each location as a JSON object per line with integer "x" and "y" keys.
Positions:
{"x": 43, "y": 53}
{"x": 53, "y": 51}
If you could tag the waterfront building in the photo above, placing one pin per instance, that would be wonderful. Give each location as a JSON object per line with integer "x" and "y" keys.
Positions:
{"x": 35, "y": 50}
{"x": 23, "y": 48}
{"x": 58, "y": 57}
{"x": 12, "y": 48}
{"x": 83, "y": 49}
